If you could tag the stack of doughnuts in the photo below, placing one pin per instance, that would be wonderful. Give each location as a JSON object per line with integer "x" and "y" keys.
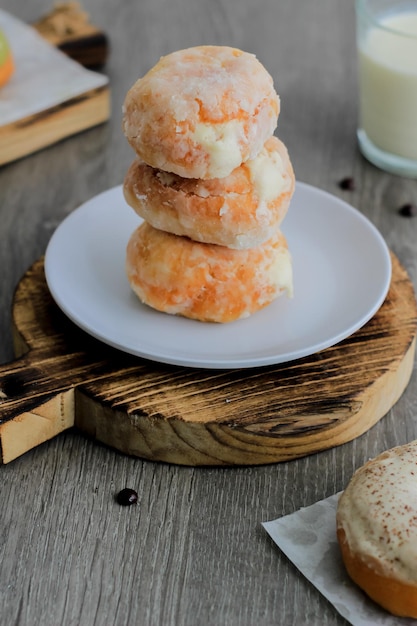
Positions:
{"x": 211, "y": 183}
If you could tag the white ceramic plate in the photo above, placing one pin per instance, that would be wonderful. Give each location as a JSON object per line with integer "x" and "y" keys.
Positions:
{"x": 342, "y": 272}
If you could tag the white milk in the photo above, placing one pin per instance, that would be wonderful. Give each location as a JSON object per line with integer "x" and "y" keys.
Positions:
{"x": 388, "y": 85}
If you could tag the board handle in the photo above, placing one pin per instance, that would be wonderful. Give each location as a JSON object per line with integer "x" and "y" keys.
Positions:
{"x": 33, "y": 409}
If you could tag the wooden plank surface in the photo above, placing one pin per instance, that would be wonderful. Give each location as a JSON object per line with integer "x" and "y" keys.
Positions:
{"x": 43, "y": 129}
{"x": 192, "y": 551}
{"x": 48, "y": 96}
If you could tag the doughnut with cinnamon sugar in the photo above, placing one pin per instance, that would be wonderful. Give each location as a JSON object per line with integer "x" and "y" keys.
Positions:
{"x": 377, "y": 529}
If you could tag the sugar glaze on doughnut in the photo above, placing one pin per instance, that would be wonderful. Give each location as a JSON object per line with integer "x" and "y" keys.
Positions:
{"x": 242, "y": 210}
{"x": 206, "y": 282}
{"x": 201, "y": 112}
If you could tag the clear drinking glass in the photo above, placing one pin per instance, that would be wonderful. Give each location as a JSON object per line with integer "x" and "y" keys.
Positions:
{"x": 387, "y": 68}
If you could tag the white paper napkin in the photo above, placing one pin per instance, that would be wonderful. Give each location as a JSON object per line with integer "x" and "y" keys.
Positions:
{"x": 308, "y": 538}
{"x": 44, "y": 77}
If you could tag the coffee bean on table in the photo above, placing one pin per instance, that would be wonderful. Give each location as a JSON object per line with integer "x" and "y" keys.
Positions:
{"x": 408, "y": 210}
{"x": 347, "y": 183}
{"x": 126, "y": 497}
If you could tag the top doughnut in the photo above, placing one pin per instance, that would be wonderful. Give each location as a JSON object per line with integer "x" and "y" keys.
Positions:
{"x": 201, "y": 112}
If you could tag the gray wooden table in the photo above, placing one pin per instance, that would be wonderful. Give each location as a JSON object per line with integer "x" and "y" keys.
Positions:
{"x": 192, "y": 552}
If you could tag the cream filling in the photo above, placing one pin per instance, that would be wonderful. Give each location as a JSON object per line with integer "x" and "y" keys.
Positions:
{"x": 267, "y": 175}
{"x": 281, "y": 272}
{"x": 221, "y": 143}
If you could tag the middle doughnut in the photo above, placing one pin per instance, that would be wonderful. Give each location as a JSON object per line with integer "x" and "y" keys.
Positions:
{"x": 240, "y": 211}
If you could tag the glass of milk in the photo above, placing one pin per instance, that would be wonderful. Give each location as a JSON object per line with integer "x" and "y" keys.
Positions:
{"x": 387, "y": 66}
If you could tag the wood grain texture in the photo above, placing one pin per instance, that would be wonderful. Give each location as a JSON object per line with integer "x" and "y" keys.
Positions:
{"x": 199, "y": 417}
{"x": 43, "y": 129}
{"x": 192, "y": 552}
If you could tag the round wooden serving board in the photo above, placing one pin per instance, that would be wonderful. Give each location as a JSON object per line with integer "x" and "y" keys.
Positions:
{"x": 64, "y": 378}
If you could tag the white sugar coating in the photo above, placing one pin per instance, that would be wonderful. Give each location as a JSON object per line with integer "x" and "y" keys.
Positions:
{"x": 378, "y": 511}
{"x": 201, "y": 112}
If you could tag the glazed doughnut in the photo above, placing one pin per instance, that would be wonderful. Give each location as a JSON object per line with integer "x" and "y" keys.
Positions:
{"x": 377, "y": 529}
{"x": 201, "y": 112}
{"x": 203, "y": 281}
{"x": 242, "y": 210}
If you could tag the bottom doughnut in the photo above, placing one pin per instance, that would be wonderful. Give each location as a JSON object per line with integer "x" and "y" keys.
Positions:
{"x": 206, "y": 282}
